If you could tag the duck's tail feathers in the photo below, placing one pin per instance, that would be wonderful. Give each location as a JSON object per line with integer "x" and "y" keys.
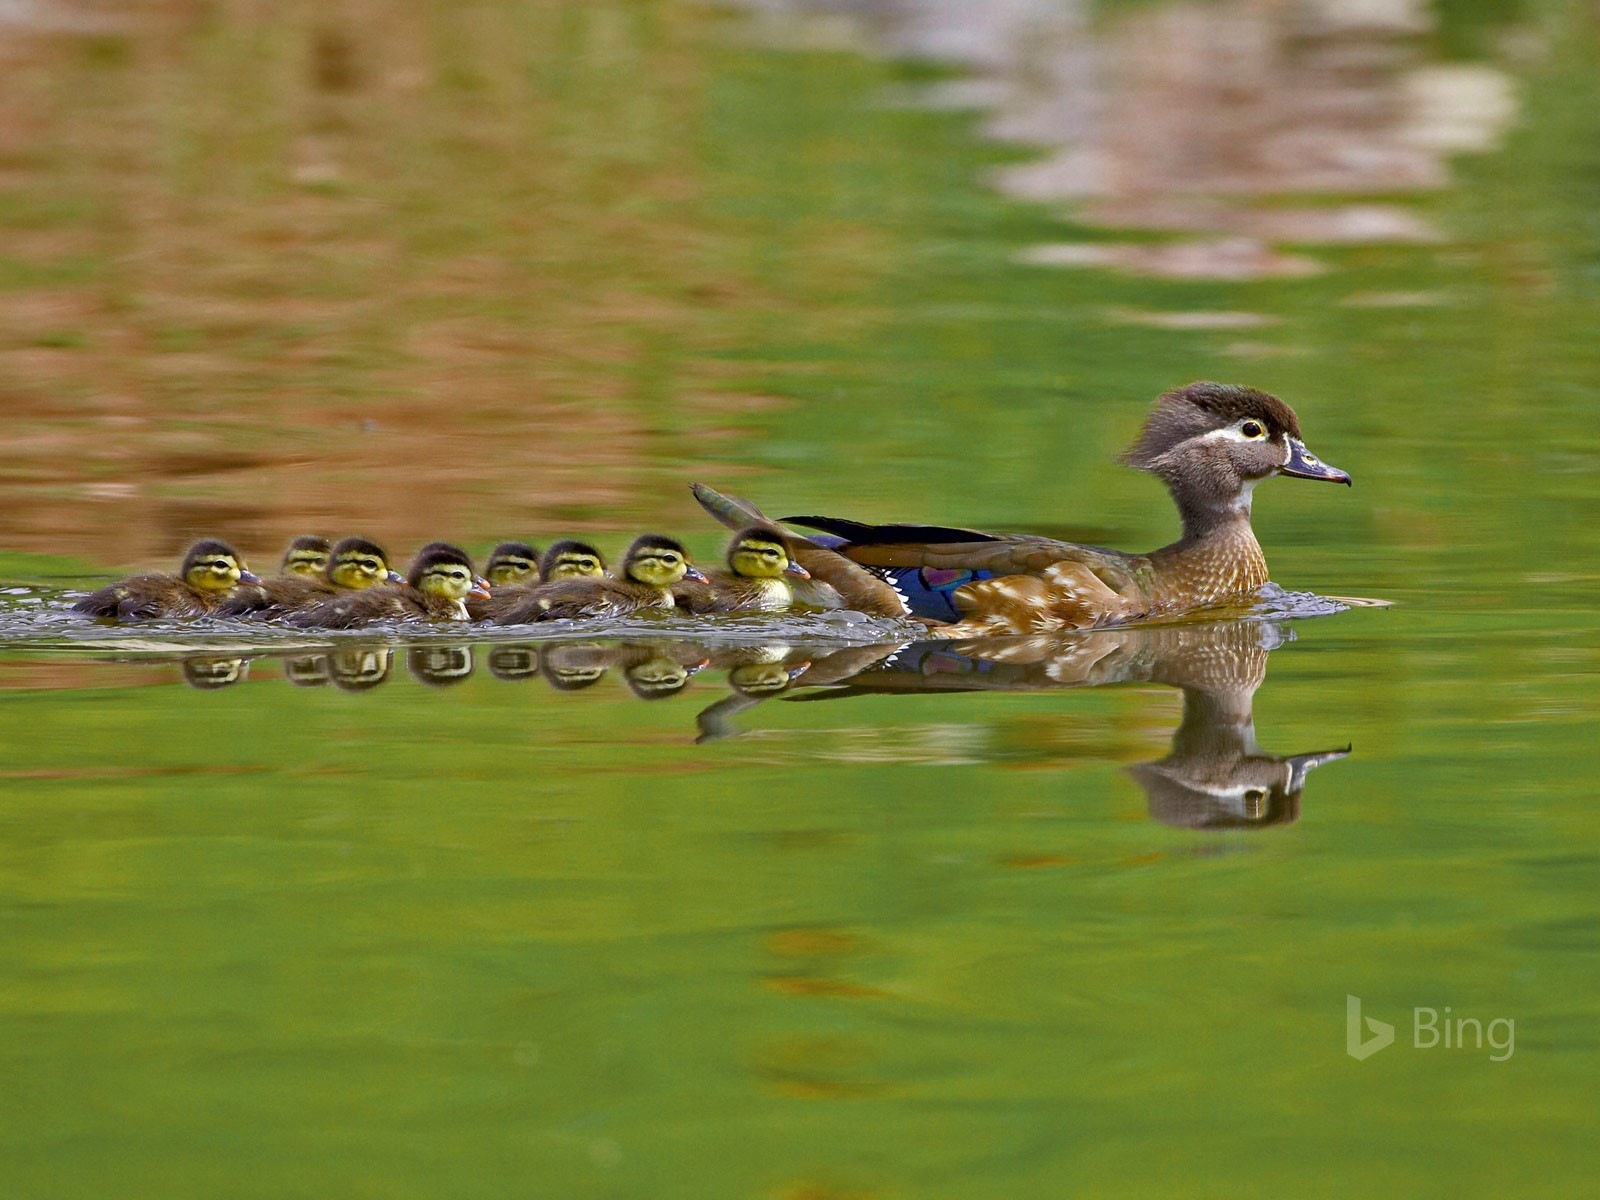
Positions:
{"x": 732, "y": 511}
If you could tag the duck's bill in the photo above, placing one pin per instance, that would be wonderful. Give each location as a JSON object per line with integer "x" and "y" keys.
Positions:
{"x": 696, "y": 574}
{"x": 249, "y": 577}
{"x": 796, "y": 570}
{"x": 1303, "y": 464}
{"x": 480, "y": 588}
{"x": 395, "y": 577}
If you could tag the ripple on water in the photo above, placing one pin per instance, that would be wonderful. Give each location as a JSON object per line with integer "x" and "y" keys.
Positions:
{"x": 40, "y": 618}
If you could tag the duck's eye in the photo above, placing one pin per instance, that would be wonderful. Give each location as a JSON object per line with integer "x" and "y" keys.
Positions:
{"x": 1253, "y": 429}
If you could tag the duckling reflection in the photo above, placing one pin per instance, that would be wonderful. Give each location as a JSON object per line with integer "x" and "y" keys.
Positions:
{"x": 758, "y": 673}
{"x": 209, "y": 672}
{"x": 361, "y": 668}
{"x": 513, "y": 663}
{"x": 654, "y": 671}
{"x": 573, "y": 666}
{"x": 1216, "y": 776}
{"x": 308, "y": 670}
{"x": 439, "y": 666}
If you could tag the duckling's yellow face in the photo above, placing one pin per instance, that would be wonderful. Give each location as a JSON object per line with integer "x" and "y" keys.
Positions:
{"x": 575, "y": 564}
{"x": 306, "y": 562}
{"x": 356, "y": 569}
{"x": 507, "y": 570}
{"x": 758, "y": 558}
{"x": 657, "y": 566}
{"x": 448, "y": 579}
{"x": 214, "y": 573}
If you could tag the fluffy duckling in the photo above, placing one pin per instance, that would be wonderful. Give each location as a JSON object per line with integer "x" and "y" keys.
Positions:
{"x": 307, "y": 556}
{"x": 354, "y": 563}
{"x": 654, "y": 565}
{"x": 564, "y": 560}
{"x": 436, "y": 589}
{"x": 512, "y": 566}
{"x": 210, "y": 572}
{"x": 757, "y": 578}
{"x": 571, "y": 560}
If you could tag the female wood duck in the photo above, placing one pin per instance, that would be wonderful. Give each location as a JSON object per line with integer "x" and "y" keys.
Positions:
{"x": 1211, "y": 443}
{"x": 210, "y": 571}
{"x": 436, "y": 589}
{"x": 511, "y": 566}
{"x": 757, "y": 579}
{"x": 651, "y": 568}
{"x": 354, "y": 563}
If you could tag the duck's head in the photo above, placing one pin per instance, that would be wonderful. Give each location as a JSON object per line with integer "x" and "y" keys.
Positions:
{"x": 511, "y": 563}
{"x": 213, "y": 566}
{"x": 1213, "y": 442}
{"x": 762, "y": 552}
{"x": 659, "y": 562}
{"x": 307, "y": 556}
{"x": 357, "y": 563}
{"x": 444, "y": 570}
{"x": 571, "y": 560}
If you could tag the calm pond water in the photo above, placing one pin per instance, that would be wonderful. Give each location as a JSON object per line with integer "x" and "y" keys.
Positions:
{"x": 789, "y": 908}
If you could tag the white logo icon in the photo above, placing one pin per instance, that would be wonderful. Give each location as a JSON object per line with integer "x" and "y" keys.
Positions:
{"x": 1382, "y": 1032}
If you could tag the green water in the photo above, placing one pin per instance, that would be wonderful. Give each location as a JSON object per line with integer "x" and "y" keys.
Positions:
{"x": 500, "y": 938}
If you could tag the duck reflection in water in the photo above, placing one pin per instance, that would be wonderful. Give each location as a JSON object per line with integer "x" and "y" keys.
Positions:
{"x": 1215, "y": 776}
{"x": 513, "y": 664}
{"x": 439, "y": 666}
{"x": 360, "y": 668}
{"x": 208, "y": 672}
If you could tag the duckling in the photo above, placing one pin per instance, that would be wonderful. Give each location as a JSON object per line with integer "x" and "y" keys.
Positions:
{"x": 757, "y": 579}
{"x": 572, "y": 560}
{"x": 436, "y": 589}
{"x": 210, "y": 571}
{"x": 354, "y": 563}
{"x": 564, "y": 560}
{"x": 654, "y": 565}
{"x": 512, "y": 566}
{"x": 306, "y": 556}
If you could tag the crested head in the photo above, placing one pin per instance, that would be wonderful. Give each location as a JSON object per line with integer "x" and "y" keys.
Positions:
{"x": 657, "y": 561}
{"x": 759, "y": 552}
{"x": 571, "y": 560}
{"x": 512, "y": 562}
{"x": 1205, "y": 407}
{"x": 307, "y": 555}
{"x": 1213, "y": 442}
{"x": 355, "y": 562}
{"x": 213, "y": 566}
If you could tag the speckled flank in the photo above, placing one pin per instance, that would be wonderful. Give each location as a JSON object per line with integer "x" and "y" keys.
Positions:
{"x": 1069, "y": 595}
